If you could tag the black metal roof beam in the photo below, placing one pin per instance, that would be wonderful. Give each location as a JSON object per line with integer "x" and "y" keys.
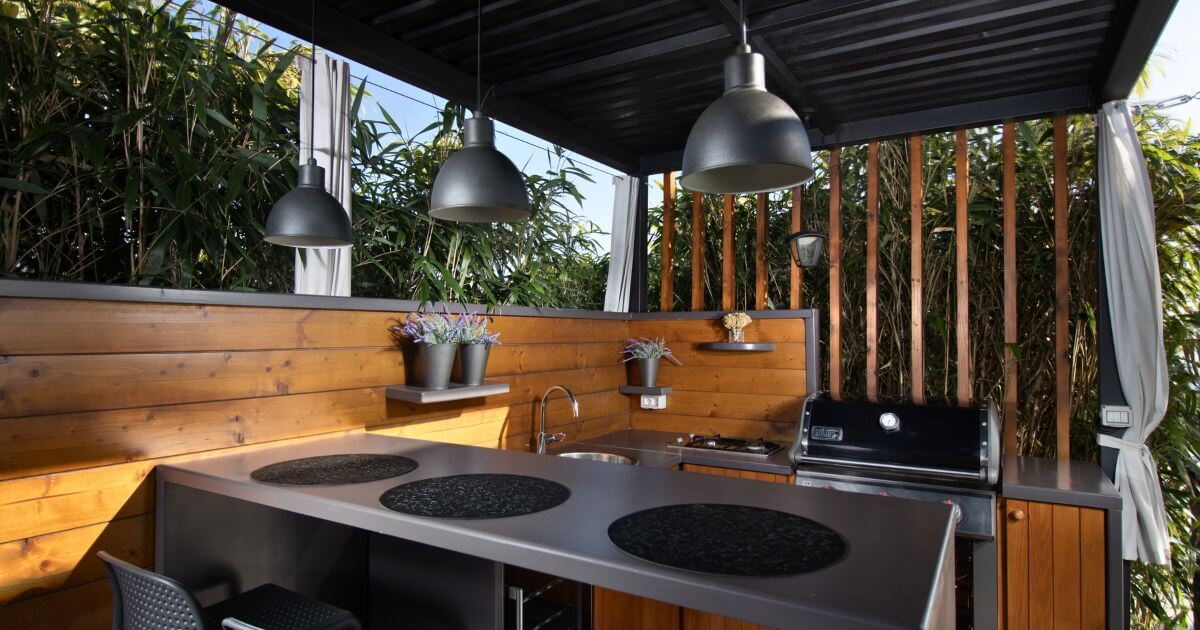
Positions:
{"x": 1145, "y": 23}
{"x": 707, "y": 36}
{"x": 366, "y": 45}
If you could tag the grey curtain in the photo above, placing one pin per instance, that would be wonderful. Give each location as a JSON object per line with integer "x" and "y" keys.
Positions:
{"x": 1130, "y": 259}
{"x": 326, "y": 271}
{"x": 620, "y": 266}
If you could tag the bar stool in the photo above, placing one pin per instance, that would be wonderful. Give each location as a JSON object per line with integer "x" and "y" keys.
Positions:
{"x": 144, "y": 600}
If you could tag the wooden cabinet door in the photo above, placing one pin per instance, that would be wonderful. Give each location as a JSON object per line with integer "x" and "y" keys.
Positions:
{"x": 1053, "y": 559}
{"x": 614, "y": 610}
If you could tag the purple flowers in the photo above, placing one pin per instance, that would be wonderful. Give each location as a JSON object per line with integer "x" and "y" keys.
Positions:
{"x": 648, "y": 349}
{"x": 440, "y": 328}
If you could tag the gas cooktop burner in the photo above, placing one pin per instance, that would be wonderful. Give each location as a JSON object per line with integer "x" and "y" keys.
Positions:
{"x": 727, "y": 444}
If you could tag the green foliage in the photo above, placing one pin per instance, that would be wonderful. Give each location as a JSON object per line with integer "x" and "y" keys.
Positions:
{"x": 139, "y": 147}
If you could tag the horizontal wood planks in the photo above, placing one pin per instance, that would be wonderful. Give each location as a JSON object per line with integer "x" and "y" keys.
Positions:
{"x": 732, "y": 393}
{"x": 93, "y": 395}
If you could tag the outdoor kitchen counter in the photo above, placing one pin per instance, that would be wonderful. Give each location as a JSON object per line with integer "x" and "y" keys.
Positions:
{"x": 1069, "y": 482}
{"x": 894, "y": 574}
{"x": 653, "y": 449}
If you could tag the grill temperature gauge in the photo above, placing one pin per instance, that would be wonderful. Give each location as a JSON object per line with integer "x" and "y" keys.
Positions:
{"x": 889, "y": 422}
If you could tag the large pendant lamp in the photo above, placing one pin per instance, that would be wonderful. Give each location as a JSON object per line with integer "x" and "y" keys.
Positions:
{"x": 308, "y": 216}
{"x": 749, "y": 140}
{"x": 478, "y": 184}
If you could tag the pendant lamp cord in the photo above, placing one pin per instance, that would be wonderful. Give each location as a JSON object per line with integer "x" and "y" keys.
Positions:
{"x": 742, "y": 18}
{"x": 312, "y": 85}
{"x": 478, "y": 55}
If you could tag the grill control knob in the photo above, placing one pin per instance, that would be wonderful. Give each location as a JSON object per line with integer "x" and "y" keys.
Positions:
{"x": 889, "y": 422}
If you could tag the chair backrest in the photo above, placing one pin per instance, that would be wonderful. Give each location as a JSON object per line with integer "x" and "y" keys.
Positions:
{"x": 144, "y": 600}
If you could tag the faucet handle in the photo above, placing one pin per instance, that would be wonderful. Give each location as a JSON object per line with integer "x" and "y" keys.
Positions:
{"x": 556, "y": 437}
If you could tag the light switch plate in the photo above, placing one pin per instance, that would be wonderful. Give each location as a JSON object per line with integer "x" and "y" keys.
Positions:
{"x": 654, "y": 402}
{"x": 1118, "y": 416}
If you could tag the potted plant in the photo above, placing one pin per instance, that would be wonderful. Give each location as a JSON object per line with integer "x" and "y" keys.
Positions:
{"x": 735, "y": 323}
{"x": 474, "y": 345}
{"x": 648, "y": 353}
{"x": 436, "y": 338}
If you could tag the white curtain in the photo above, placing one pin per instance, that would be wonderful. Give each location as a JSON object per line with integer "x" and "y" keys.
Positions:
{"x": 1130, "y": 260}
{"x": 624, "y": 237}
{"x": 326, "y": 271}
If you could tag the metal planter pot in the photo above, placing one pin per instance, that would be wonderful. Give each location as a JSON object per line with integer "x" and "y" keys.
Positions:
{"x": 648, "y": 368}
{"x": 472, "y": 363}
{"x": 437, "y": 361}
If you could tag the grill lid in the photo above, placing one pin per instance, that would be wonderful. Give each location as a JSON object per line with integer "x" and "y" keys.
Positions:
{"x": 899, "y": 436}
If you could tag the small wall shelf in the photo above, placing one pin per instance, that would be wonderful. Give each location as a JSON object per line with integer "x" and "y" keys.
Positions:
{"x": 729, "y": 346}
{"x": 423, "y": 396}
{"x": 638, "y": 390}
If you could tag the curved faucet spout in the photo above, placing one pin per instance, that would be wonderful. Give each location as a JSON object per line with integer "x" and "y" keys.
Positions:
{"x": 543, "y": 438}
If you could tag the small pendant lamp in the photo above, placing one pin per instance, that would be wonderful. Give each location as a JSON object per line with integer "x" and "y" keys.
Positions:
{"x": 478, "y": 184}
{"x": 806, "y": 247}
{"x": 308, "y": 216}
{"x": 749, "y": 140}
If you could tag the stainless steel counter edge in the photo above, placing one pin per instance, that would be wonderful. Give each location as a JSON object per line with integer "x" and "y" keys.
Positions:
{"x": 1072, "y": 482}
{"x": 560, "y": 541}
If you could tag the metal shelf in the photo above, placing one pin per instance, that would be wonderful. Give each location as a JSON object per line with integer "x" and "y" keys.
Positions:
{"x": 638, "y": 390}
{"x": 729, "y": 346}
{"x": 456, "y": 391}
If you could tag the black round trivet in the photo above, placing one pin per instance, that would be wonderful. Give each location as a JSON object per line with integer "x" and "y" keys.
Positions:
{"x": 475, "y": 496}
{"x": 727, "y": 539}
{"x": 331, "y": 470}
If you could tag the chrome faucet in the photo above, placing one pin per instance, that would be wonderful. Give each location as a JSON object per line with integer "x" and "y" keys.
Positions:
{"x": 544, "y": 438}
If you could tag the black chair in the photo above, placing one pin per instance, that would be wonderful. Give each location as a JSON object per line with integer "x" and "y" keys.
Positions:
{"x": 144, "y": 600}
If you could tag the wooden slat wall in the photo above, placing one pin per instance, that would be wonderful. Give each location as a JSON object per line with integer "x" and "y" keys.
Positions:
{"x": 796, "y": 280}
{"x": 748, "y": 394}
{"x": 1009, "y": 185}
{"x": 667, "y": 286}
{"x": 962, "y": 305}
{"x": 835, "y": 272}
{"x": 872, "y": 314}
{"x": 1062, "y": 293}
{"x": 916, "y": 182}
{"x": 95, "y": 394}
{"x": 760, "y": 252}
{"x": 697, "y": 251}
{"x": 727, "y": 272}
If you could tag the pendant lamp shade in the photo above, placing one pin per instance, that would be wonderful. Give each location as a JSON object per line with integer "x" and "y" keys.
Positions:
{"x": 749, "y": 140}
{"x": 478, "y": 184}
{"x": 308, "y": 216}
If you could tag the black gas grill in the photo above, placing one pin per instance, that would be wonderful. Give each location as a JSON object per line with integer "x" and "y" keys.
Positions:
{"x": 923, "y": 452}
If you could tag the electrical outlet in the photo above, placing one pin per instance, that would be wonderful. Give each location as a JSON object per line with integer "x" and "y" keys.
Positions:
{"x": 1118, "y": 416}
{"x": 654, "y": 402}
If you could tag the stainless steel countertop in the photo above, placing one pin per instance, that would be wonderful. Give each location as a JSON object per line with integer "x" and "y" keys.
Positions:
{"x": 1053, "y": 481}
{"x": 888, "y": 579}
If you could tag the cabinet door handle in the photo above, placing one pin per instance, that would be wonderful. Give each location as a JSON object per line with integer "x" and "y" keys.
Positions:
{"x": 1017, "y": 515}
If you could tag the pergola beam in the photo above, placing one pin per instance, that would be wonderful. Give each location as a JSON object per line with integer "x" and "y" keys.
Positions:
{"x": 1146, "y": 20}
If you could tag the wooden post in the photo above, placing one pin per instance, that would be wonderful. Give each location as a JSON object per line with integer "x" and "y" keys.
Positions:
{"x": 1062, "y": 294}
{"x": 873, "y": 271}
{"x": 1010, "y": 288}
{"x": 760, "y": 252}
{"x": 796, "y": 294}
{"x": 727, "y": 254}
{"x": 667, "y": 285}
{"x": 962, "y": 319}
{"x": 697, "y": 251}
{"x": 916, "y": 184}
{"x": 835, "y": 273}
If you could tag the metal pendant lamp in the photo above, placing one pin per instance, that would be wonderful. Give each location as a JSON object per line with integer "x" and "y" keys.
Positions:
{"x": 749, "y": 140}
{"x": 478, "y": 184}
{"x": 308, "y": 216}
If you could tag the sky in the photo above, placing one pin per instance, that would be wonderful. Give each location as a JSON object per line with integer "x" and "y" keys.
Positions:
{"x": 1175, "y": 72}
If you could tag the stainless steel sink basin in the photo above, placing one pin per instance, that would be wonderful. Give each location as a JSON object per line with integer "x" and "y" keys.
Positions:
{"x": 598, "y": 456}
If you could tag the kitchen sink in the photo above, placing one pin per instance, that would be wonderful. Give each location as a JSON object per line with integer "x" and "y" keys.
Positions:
{"x": 598, "y": 456}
